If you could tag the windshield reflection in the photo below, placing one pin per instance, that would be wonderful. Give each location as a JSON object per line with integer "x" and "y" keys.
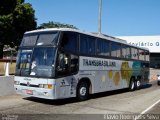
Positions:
{"x": 38, "y": 39}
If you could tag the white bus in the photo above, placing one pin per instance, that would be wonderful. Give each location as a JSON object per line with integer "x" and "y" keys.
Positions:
{"x": 63, "y": 63}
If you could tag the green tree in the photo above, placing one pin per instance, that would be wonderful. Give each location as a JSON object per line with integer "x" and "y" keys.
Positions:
{"x": 16, "y": 17}
{"x": 51, "y": 24}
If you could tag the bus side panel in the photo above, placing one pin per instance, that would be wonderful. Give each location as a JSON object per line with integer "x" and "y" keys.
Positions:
{"x": 109, "y": 74}
{"x": 66, "y": 87}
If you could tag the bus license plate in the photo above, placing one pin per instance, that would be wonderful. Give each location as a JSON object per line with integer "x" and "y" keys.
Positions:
{"x": 30, "y": 92}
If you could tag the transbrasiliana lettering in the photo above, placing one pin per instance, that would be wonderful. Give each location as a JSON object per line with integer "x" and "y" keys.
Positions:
{"x": 104, "y": 63}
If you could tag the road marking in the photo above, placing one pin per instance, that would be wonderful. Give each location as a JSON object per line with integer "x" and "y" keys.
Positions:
{"x": 146, "y": 110}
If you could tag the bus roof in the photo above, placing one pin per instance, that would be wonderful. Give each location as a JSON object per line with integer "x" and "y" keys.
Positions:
{"x": 103, "y": 36}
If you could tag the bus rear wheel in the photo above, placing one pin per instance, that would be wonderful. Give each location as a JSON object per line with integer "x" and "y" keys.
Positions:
{"x": 138, "y": 84}
{"x": 158, "y": 82}
{"x": 132, "y": 84}
{"x": 82, "y": 91}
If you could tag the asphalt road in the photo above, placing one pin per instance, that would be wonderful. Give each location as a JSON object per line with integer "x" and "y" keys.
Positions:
{"x": 108, "y": 105}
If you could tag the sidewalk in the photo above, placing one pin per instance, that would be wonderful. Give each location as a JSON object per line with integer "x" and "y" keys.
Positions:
{"x": 6, "y": 85}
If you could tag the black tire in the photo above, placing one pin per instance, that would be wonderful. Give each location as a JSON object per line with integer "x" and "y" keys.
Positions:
{"x": 132, "y": 84}
{"x": 82, "y": 91}
{"x": 158, "y": 82}
{"x": 138, "y": 84}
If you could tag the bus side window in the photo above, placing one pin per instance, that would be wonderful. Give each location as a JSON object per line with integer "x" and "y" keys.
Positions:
{"x": 134, "y": 53}
{"x": 87, "y": 45}
{"x": 103, "y": 47}
{"x": 115, "y": 49}
{"x": 147, "y": 56}
{"x": 69, "y": 42}
{"x": 141, "y": 55}
{"x": 126, "y": 53}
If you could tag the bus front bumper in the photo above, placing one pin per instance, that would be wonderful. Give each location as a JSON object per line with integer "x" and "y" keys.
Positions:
{"x": 35, "y": 92}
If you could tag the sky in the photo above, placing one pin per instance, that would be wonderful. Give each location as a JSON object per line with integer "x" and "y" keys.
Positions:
{"x": 119, "y": 17}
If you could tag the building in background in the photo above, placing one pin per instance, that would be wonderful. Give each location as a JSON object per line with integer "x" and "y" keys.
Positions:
{"x": 150, "y": 42}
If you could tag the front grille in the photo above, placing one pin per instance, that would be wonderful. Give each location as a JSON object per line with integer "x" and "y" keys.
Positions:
{"x": 29, "y": 85}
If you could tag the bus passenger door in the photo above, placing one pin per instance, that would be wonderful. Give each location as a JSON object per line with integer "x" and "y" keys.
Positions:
{"x": 66, "y": 70}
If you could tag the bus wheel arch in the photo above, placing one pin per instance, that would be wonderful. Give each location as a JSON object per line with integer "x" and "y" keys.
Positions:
{"x": 84, "y": 88}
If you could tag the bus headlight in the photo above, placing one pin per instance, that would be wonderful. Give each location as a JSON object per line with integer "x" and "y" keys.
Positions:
{"x": 47, "y": 86}
{"x": 17, "y": 82}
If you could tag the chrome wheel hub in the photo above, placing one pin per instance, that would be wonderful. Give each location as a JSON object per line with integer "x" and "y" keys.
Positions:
{"x": 83, "y": 91}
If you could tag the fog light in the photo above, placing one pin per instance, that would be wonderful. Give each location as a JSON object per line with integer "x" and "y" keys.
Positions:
{"x": 47, "y": 86}
{"x": 16, "y": 82}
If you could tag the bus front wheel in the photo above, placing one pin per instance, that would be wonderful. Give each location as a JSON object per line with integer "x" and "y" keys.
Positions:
{"x": 82, "y": 91}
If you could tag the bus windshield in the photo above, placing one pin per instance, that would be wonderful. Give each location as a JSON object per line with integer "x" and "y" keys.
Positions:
{"x": 38, "y": 62}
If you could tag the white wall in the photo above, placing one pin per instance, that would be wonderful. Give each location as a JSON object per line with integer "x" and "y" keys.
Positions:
{"x": 150, "y": 42}
{"x": 7, "y": 85}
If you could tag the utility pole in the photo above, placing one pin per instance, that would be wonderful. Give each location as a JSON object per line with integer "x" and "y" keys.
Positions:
{"x": 100, "y": 16}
